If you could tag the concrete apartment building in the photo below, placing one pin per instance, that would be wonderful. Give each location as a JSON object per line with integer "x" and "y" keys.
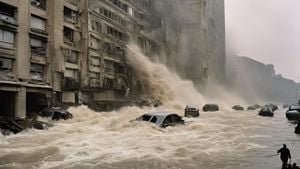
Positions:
{"x": 196, "y": 34}
{"x": 68, "y": 51}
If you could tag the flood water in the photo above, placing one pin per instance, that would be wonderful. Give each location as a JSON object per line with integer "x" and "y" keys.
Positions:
{"x": 108, "y": 140}
{"x": 218, "y": 140}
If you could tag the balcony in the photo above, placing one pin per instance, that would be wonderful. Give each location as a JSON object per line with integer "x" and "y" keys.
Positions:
{"x": 9, "y": 19}
{"x": 39, "y": 51}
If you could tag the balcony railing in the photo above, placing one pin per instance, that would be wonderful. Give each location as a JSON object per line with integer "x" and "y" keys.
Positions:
{"x": 7, "y": 45}
{"x": 39, "y": 51}
{"x": 6, "y": 18}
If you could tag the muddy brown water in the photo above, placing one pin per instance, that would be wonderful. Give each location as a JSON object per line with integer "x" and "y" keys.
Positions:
{"x": 218, "y": 140}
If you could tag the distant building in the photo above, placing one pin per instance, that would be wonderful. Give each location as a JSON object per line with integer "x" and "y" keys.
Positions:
{"x": 195, "y": 35}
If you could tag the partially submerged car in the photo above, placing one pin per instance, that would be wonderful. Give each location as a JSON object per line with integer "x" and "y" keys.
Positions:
{"x": 293, "y": 113}
{"x": 210, "y": 107}
{"x": 56, "y": 113}
{"x": 191, "y": 111}
{"x": 162, "y": 119}
{"x": 266, "y": 111}
{"x": 238, "y": 108}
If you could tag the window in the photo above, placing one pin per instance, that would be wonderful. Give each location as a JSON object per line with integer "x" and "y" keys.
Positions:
{"x": 70, "y": 15}
{"x": 38, "y": 47}
{"x": 7, "y": 39}
{"x": 96, "y": 26}
{"x": 95, "y": 44}
{"x": 5, "y": 64}
{"x": 37, "y": 72}
{"x": 68, "y": 35}
{"x": 39, "y": 3}
{"x": 7, "y": 13}
{"x": 95, "y": 62}
{"x": 38, "y": 23}
{"x": 109, "y": 67}
{"x": 94, "y": 79}
{"x": 125, "y": 7}
{"x": 71, "y": 73}
{"x": 71, "y": 56}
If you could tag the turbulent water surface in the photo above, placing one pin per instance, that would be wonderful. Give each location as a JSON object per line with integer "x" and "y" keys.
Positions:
{"x": 233, "y": 140}
{"x": 108, "y": 140}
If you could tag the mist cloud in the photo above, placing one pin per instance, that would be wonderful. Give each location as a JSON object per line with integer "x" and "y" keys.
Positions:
{"x": 266, "y": 30}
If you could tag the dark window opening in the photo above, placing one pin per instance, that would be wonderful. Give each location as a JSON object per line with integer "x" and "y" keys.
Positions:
{"x": 108, "y": 83}
{"x": 7, "y": 12}
{"x": 7, "y": 104}
{"x": 5, "y": 64}
{"x": 70, "y": 15}
{"x": 68, "y": 35}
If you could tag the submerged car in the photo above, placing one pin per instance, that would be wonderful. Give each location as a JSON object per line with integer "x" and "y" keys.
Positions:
{"x": 162, "y": 119}
{"x": 238, "y": 108}
{"x": 191, "y": 111}
{"x": 266, "y": 111}
{"x": 295, "y": 107}
{"x": 293, "y": 113}
{"x": 56, "y": 113}
{"x": 210, "y": 107}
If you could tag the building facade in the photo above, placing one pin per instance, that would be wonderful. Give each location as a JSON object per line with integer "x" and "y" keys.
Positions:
{"x": 68, "y": 51}
{"x": 195, "y": 33}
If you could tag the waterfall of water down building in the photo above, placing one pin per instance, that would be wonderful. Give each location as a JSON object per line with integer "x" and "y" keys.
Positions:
{"x": 162, "y": 84}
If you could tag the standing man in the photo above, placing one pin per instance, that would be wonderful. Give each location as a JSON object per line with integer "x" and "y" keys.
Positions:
{"x": 285, "y": 155}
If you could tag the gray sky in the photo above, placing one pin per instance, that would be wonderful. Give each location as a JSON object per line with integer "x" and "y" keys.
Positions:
{"x": 266, "y": 30}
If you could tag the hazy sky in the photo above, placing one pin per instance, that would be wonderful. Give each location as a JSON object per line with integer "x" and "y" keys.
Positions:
{"x": 266, "y": 30}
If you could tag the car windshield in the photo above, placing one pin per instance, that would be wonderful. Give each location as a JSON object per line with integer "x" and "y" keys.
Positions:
{"x": 295, "y": 107}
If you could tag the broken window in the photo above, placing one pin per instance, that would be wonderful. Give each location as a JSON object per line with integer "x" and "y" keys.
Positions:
{"x": 5, "y": 64}
{"x": 38, "y": 47}
{"x": 7, "y": 13}
{"x": 38, "y": 23}
{"x": 39, "y": 3}
{"x": 7, "y": 39}
{"x": 37, "y": 72}
{"x": 71, "y": 56}
{"x": 68, "y": 34}
{"x": 70, "y": 15}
